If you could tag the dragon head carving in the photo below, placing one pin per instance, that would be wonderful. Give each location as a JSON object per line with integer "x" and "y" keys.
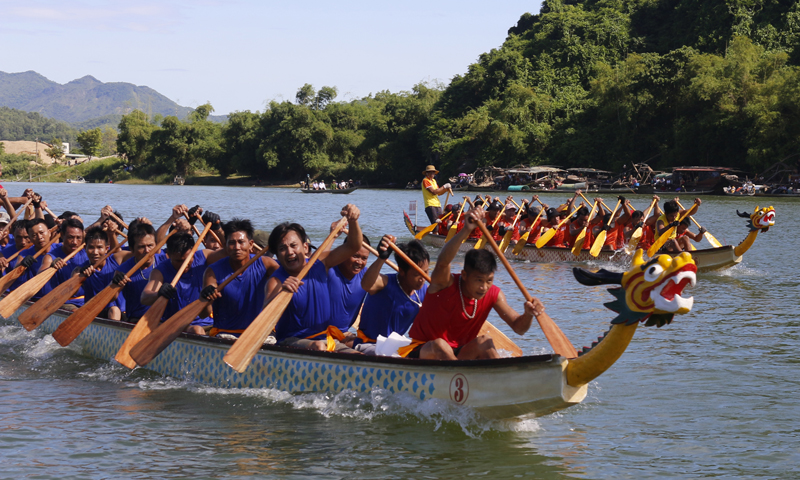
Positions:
{"x": 760, "y": 219}
{"x": 650, "y": 291}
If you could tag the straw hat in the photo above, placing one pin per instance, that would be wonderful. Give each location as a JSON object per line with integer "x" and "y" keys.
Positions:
{"x": 430, "y": 168}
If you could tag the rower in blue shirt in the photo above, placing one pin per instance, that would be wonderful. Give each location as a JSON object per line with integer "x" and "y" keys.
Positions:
{"x": 72, "y": 237}
{"x": 39, "y": 234}
{"x": 240, "y": 302}
{"x": 98, "y": 278}
{"x": 142, "y": 240}
{"x": 188, "y": 287}
{"x": 305, "y": 322}
{"x": 344, "y": 285}
{"x": 394, "y": 299}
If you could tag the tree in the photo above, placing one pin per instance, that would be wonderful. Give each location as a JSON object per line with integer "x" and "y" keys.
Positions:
{"x": 56, "y": 151}
{"x": 134, "y": 137}
{"x": 109, "y": 146}
{"x": 324, "y": 97}
{"x": 91, "y": 141}
{"x": 305, "y": 95}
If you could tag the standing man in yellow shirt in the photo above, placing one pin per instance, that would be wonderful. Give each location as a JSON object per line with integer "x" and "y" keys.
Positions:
{"x": 431, "y": 192}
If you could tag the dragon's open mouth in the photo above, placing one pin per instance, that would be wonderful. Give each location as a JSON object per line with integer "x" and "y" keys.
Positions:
{"x": 768, "y": 220}
{"x": 667, "y": 294}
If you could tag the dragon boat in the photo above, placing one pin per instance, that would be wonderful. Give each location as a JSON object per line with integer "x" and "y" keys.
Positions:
{"x": 499, "y": 388}
{"x": 706, "y": 259}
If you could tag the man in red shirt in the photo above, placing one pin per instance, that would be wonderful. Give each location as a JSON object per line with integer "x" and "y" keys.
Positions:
{"x": 456, "y": 306}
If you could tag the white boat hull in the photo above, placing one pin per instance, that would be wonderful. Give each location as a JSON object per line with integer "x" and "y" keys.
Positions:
{"x": 500, "y": 388}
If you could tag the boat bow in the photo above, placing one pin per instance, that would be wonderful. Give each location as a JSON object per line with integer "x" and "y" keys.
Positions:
{"x": 650, "y": 292}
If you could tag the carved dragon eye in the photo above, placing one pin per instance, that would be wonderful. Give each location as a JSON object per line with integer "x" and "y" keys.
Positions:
{"x": 653, "y": 272}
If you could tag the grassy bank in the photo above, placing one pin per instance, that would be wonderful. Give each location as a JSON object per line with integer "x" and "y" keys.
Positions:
{"x": 113, "y": 169}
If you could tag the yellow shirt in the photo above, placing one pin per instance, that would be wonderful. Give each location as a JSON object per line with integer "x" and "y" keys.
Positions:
{"x": 431, "y": 200}
{"x": 663, "y": 218}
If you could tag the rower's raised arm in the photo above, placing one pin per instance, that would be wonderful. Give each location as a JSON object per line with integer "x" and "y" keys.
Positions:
{"x": 373, "y": 282}
{"x": 177, "y": 212}
{"x": 353, "y": 242}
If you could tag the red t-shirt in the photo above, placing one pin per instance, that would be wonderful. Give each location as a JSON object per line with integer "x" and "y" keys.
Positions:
{"x": 442, "y": 316}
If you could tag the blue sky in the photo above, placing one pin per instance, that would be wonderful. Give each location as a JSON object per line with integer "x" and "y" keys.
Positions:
{"x": 239, "y": 55}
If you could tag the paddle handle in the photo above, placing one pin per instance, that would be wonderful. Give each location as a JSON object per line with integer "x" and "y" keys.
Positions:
{"x": 47, "y": 209}
{"x": 118, "y": 220}
{"x": 18, "y": 212}
{"x": 460, "y": 211}
{"x": 325, "y": 245}
{"x": 196, "y": 231}
{"x": 46, "y": 247}
{"x": 503, "y": 259}
{"x": 613, "y": 212}
{"x": 149, "y": 255}
{"x": 587, "y": 201}
{"x": 189, "y": 259}
{"x": 74, "y": 252}
{"x": 375, "y": 252}
{"x": 413, "y": 264}
{"x": 241, "y": 269}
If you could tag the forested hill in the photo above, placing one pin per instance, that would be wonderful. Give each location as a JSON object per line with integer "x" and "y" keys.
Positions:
{"x": 582, "y": 83}
{"x": 607, "y": 83}
{"x": 83, "y": 99}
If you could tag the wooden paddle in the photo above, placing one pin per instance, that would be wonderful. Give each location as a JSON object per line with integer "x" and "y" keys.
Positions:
{"x": 510, "y": 233}
{"x": 82, "y": 317}
{"x": 548, "y": 235}
{"x": 711, "y": 239}
{"x": 660, "y": 241}
{"x": 601, "y": 237}
{"x": 500, "y": 339}
{"x": 579, "y": 240}
{"x": 152, "y": 317}
{"x": 561, "y": 345}
{"x": 523, "y": 240}
{"x": 454, "y": 227}
{"x": 601, "y": 202}
{"x": 9, "y": 278}
{"x": 118, "y": 220}
{"x": 637, "y": 234}
{"x": 482, "y": 241}
{"x": 375, "y": 252}
{"x": 17, "y": 213}
{"x": 245, "y": 348}
{"x": 45, "y": 306}
{"x": 15, "y": 299}
{"x": 196, "y": 231}
{"x": 430, "y": 228}
{"x": 160, "y": 338}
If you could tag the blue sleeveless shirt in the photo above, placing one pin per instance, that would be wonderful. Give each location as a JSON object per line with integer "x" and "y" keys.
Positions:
{"x": 309, "y": 312}
{"x": 242, "y": 299}
{"x": 33, "y": 270}
{"x": 132, "y": 292}
{"x": 65, "y": 273}
{"x": 188, "y": 287}
{"x": 100, "y": 280}
{"x": 390, "y": 310}
{"x": 347, "y": 296}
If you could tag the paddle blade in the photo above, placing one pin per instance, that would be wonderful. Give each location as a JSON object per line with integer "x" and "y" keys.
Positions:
{"x": 425, "y": 231}
{"x": 660, "y": 242}
{"x": 245, "y": 348}
{"x": 501, "y": 341}
{"x": 451, "y": 232}
{"x": 82, "y": 317}
{"x": 160, "y": 338}
{"x": 523, "y": 240}
{"x": 712, "y": 240}
{"x": 545, "y": 237}
{"x": 576, "y": 248}
{"x": 15, "y": 299}
{"x": 8, "y": 279}
{"x": 144, "y": 326}
{"x": 480, "y": 243}
{"x": 45, "y": 306}
{"x": 506, "y": 241}
{"x": 598, "y": 243}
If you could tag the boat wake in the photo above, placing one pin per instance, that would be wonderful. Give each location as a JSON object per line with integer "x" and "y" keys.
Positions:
{"x": 366, "y": 406}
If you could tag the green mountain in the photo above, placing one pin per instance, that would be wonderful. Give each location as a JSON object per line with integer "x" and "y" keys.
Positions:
{"x": 19, "y": 125}
{"x": 84, "y": 99}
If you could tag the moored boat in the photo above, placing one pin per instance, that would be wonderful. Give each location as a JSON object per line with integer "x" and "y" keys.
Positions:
{"x": 341, "y": 191}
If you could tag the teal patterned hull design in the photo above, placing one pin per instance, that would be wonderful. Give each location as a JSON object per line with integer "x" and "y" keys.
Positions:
{"x": 496, "y": 388}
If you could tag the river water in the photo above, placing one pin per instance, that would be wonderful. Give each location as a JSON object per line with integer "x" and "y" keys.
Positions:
{"x": 711, "y": 395}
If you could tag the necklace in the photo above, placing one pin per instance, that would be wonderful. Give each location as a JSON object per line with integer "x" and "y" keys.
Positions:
{"x": 417, "y": 302}
{"x": 463, "y": 306}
